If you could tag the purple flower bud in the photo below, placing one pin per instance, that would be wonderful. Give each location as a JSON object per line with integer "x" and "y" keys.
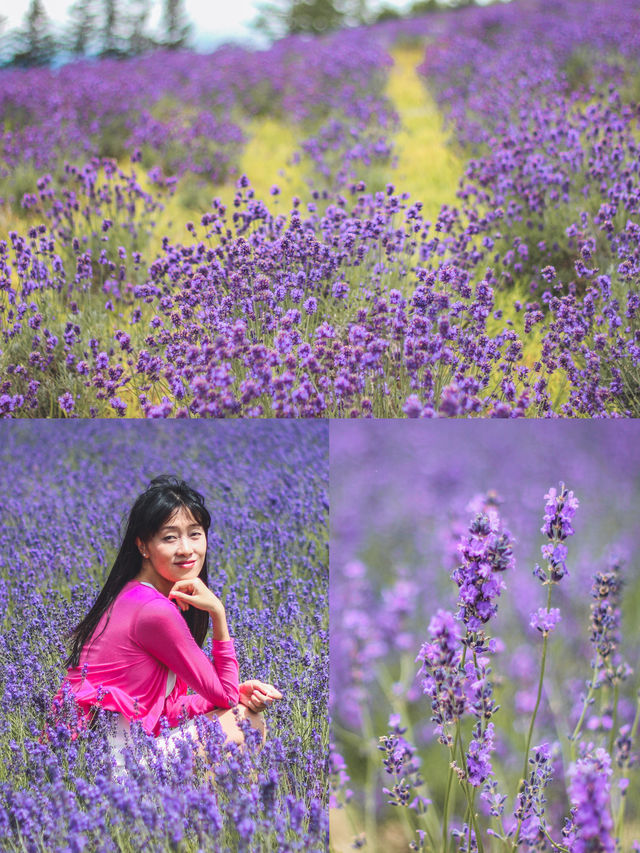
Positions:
{"x": 545, "y": 620}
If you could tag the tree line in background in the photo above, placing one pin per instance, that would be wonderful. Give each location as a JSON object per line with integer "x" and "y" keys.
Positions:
{"x": 121, "y": 28}
{"x": 281, "y": 17}
{"x": 105, "y": 28}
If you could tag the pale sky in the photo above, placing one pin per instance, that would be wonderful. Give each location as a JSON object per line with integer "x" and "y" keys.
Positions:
{"x": 213, "y": 21}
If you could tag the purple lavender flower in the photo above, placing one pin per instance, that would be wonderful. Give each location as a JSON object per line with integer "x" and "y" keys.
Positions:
{"x": 443, "y": 681}
{"x": 479, "y": 754}
{"x": 590, "y": 826}
{"x": 545, "y": 620}
{"x": 605, "y": 622}
{"x": 403, "y": 765}
{"x": 559, "y": 510}
{"x": 531, "y": 801}
{"x": 340, "y": 793}
{"x": 66, "y": 402}
{"x": 486, "y": 552}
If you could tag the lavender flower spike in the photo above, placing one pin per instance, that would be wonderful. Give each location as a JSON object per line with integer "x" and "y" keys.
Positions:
{"x": 403, "y": 765}
{"x": 531, "y": 801}
{"x": 486, "y": 552}
{"x": 443, "y": 681}
{"x": 590, "y": 826}
{"x": 605, "y": 622}
{"x": 559, "y": 510}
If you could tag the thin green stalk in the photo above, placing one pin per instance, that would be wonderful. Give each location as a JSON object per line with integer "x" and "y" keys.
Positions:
{"x": 555, "y": 843}
{"x": 614, "y": 726}
{"x": 465, "y": 788}
{"x": 538, "y": 697}
{"x": 632, "y": 734}
{"x": 445, "y": 819}
{"x": 445, "y": 816}
{"x": 533, "y": 718}
{"x": 469, "y": 811}
{"x": 585, "y": 705}
{"x": 370, "y": 800}
{"x": 472, "y": 806}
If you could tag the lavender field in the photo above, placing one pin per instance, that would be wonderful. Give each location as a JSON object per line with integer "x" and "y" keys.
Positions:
{"x": 484, "y": 636}
{"x": 227, "y": 235}
{"x": 63, "y": 493}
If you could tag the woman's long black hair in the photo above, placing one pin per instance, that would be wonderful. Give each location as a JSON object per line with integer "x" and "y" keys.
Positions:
{"x": 160, "y": 500}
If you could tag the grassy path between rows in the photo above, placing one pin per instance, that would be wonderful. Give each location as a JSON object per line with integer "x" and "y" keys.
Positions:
{"x": 426, "y": 166}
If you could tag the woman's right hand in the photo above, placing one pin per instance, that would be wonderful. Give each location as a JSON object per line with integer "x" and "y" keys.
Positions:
{"x": 195, "y": 593}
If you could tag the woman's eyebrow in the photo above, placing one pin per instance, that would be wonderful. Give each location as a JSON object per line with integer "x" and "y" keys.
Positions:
{"x": 175, "y": 527}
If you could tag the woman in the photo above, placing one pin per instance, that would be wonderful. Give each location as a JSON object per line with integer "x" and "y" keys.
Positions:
{"x": 139, "y": 648}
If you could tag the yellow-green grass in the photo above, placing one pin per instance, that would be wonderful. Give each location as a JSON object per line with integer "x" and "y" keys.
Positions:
{"x": 427, "y": 165}
{"x": 265, "y": 159}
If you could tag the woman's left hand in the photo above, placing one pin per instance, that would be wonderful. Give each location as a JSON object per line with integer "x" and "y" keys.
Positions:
{"x": 258, "y": 696}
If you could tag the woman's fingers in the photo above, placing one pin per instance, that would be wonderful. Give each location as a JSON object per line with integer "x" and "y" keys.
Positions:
{"x": 180, "y": 598}
{"x": 263, "y": 687}
{"x": 258, "y": 696}
{"x": 265, "y": 698}
{"x": 185, "y": 587}
{"x": 261, "y": 701}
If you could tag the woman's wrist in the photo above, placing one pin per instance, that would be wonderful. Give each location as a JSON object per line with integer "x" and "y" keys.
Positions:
{"x": 217, "y": 611}
{"x": 219, "y": 623}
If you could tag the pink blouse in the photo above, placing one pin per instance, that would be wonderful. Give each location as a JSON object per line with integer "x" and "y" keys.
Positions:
{"x": 129, "y": 666}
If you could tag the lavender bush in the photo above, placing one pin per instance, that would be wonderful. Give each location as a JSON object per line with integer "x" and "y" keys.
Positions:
{"x": 64, "y": 491}
{"x": 185, "y": 113}
{"x": 484, "y": 636}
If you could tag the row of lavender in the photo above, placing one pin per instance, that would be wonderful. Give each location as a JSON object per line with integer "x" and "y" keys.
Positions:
{"x": 64, "y": 491}
{"x": 187, "y": 113}
{"x": 546, "y": 95}
{"x": 522, "y": 301}
{"x": 484, "y": 639}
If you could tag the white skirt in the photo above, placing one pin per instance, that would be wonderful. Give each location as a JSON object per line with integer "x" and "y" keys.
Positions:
{"x": 120, "y": 739}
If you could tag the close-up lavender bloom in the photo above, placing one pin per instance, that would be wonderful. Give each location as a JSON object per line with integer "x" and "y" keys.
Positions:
{"x": 531, "y": 801}
{"x": 491, "y": 680}
{"x": 605, "y": 621}
{"x": 443, "y": 682}
{"x": 401, "y": 763}
{"x": 545, "y": 620}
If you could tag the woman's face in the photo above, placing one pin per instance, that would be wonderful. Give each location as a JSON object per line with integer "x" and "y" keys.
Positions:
{"x": 176, "y": 551}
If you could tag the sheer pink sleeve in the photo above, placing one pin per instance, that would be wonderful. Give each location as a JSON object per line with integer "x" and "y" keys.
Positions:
{"x": 162, "y": 632}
